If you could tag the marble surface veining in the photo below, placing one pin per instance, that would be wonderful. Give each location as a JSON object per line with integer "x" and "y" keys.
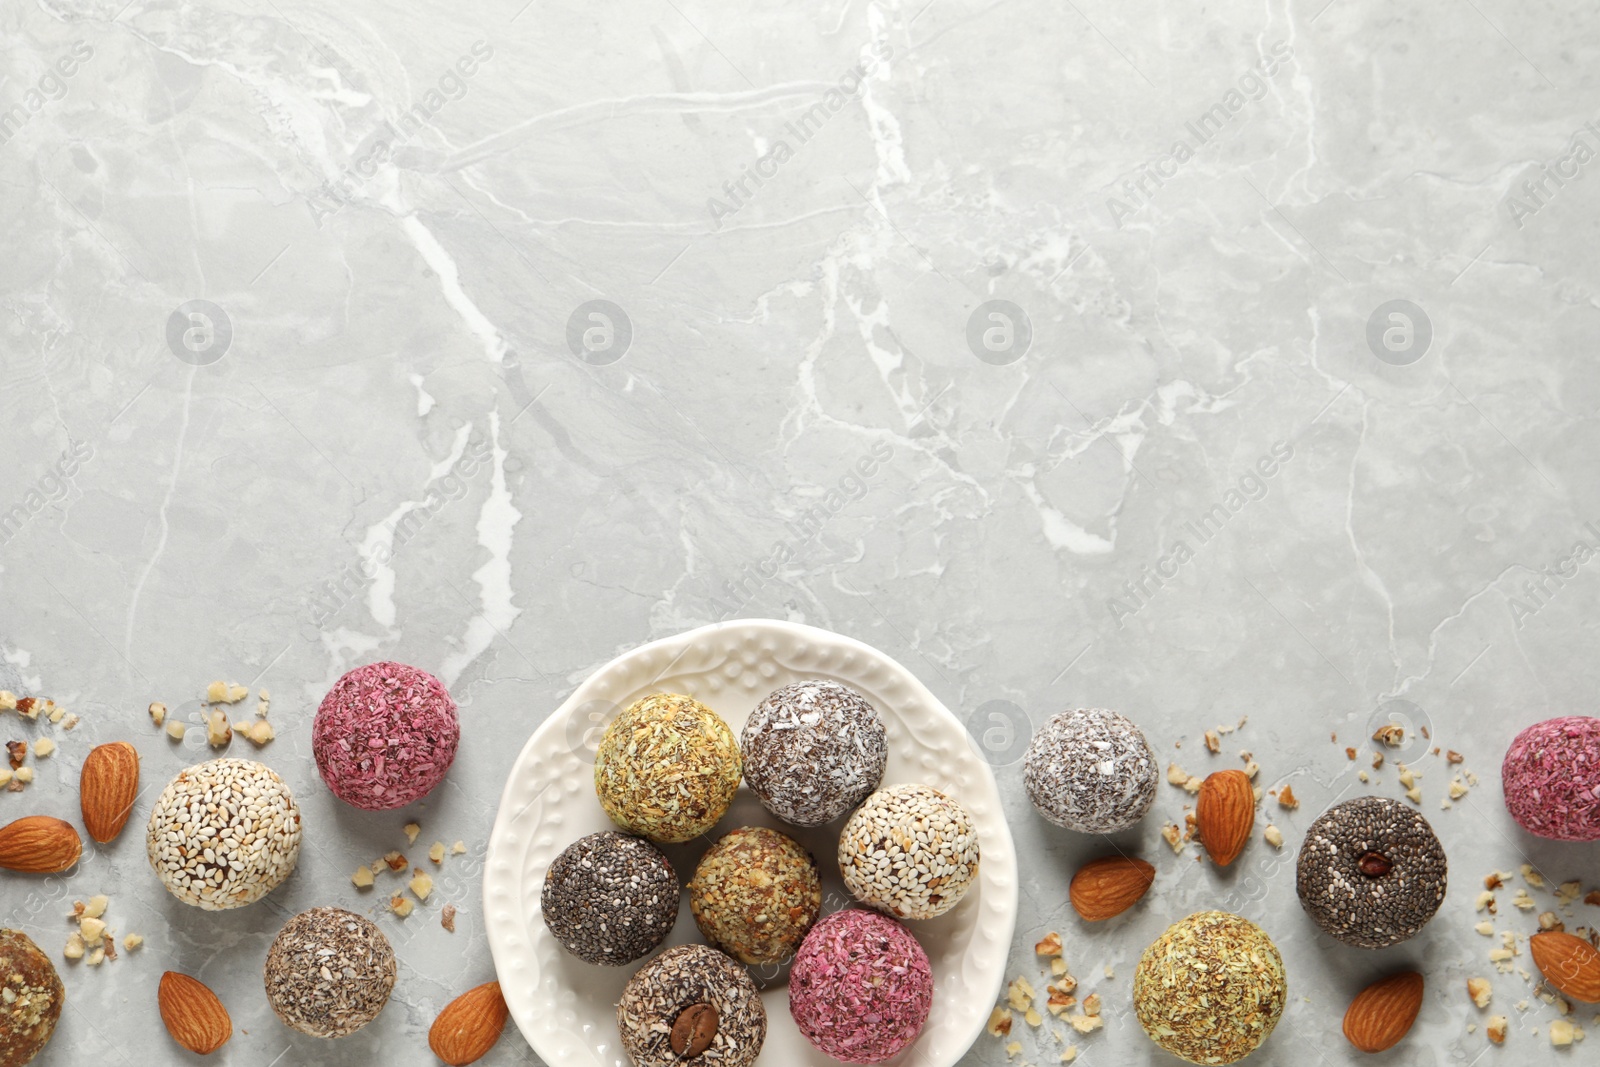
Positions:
{"x": 1197, "y": 361}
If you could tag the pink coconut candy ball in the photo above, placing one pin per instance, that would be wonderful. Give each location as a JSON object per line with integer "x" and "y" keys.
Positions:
{"x": 861, "y": 987}
{"x": 1551, "y": 778}
{"x": 385, "y": 735}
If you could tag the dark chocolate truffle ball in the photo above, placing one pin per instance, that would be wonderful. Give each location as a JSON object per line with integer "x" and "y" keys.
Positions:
{"x": 329, "y": 972}
{"x": 755, "y": 894}
{"x": 610, "y": 898}
{"x": 1090, "y": 770}
{"x": 692, "y": 1006}
{"x": 813, "y": 750}
{"x": 1371, "y": 872}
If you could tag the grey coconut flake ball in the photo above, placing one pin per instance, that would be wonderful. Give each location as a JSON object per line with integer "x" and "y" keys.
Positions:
{"x": 813, "y": 750}
{"x": 1090, "y": 770}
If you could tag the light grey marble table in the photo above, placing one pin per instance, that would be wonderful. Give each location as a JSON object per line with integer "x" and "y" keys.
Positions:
{"x": 1199, "y": 362}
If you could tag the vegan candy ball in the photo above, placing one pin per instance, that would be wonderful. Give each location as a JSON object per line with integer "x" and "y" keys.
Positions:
{"x": 610, "y": 898}
{"x": 910, "y": 851}
{"x": 31, "y": 1006}
{"x": 813, "y": 750}
{"x": 385, "y": 735}
{"x": 1211, "y": 989}
{"x": 861, "y": 987}
{"x": 755, "y": 894}
{"x": 667, "y": 768}
{"x": 691, "y": 1005}
{"x": 1090, "y": 770}
{"x": 329, "y": 972}
{"x": 224, "y": 834}
{"x": 1551, "y": 778}
{"x": 1371, "y": 873}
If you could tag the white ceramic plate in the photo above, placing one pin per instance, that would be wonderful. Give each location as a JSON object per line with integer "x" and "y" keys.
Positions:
{"x": 567, "y": 1008}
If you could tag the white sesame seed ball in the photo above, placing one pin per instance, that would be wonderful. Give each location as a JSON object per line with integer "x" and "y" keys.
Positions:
{"x": 224, "y": 834}
{"x": 909, "y": 850}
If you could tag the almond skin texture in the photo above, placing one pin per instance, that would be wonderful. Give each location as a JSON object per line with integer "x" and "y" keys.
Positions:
{"x": 194, "y": 1016}
{"x": 1382, "y": 1013}
{"x": 469, "y": 1025}
{"x": 1569, "y": 963}
{"x": 107, "y": 788}
{"x": 1225, "y": 812}
{"x": 38, "y": 844}
{"x": 1109, "y": 886}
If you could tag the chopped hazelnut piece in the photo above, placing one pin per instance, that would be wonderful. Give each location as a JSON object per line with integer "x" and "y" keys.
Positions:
{"x": 400, "y": 905}
{"x": 459, "y": 848}
{"x": 421, "y": 884}
{"x": 43, "y": 747}
{"x": 1287, "y": 799}
{"x": 176, "y": 730}
{"x": 1480, "y": 991}
{"x": 23, "y": 775}
{"x": 436, "y": 852}
{"x": 396, "y": 861}
{"x": 1048, "y": 945}
{"x": 412, "y": 830}
{"x": 1273, "y": 836}
{"x": 362, "y": 878}
{"x": 75, "y": 946}
{"x": 1391, "y": 734}
{"x": 218, "y": 732}
{"x": 1496, "y": 1029}
{"x": 1091, "y": 1004}
{"x": 1549, "y": 920}
{"x": 1176, "y": 775}
{"x": 158, "y": 712}
{"x": 131, "y": 942}
{"x": 259, "y": 732}
{"x": 999, "y": 1023}
{"x": 1563, "y": 1033}
{"x": 1058, "y": 967}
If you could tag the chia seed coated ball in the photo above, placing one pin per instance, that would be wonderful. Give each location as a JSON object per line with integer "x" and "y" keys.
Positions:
{"x": 610, "y": 898}
{"x": 1090, "y": 770}
{"x": 861, "y": 987}
{"x": 1551, "y": 778}
{"x": 910, "y": 851}
{"x": 32, "y": 997}
{"x": 329, "y": 972}
{"x": 1371, "y": 872}
{"x": 692, "y": 1006}
{"x": 224, "y": 834}
{"x": 812, "y": 751}
{"x": 755, "y": 894}
{"x": 667, "y": 768}
{"x": 1211, "y": 989}
{"x": 385, "y": 735}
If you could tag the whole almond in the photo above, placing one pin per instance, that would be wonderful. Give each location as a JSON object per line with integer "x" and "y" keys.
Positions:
{"x": 469, "y": 1025}
{"x": 1224, "y": 813}
{"x": 1109, "y": 886}
{"x": 1382, "y": 1013}
{"x": 39, "y": 844}
{"x": 107, "y": 788}
{"x": 194, "y": 1016}
{"x": 1569, "y": 963}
